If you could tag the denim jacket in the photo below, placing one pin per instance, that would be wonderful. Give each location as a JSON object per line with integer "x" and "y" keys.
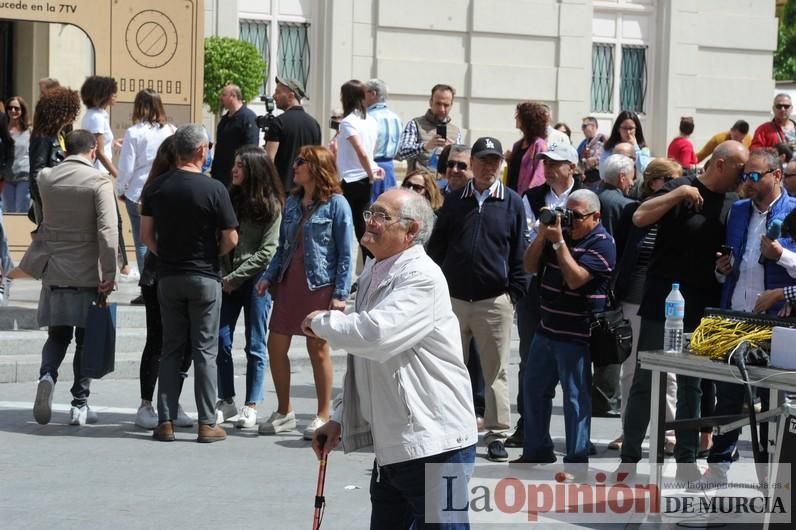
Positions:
{"x": 328, "y": 245}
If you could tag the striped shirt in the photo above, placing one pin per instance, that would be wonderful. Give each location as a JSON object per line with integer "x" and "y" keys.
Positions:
{"x": 566, "y": 313}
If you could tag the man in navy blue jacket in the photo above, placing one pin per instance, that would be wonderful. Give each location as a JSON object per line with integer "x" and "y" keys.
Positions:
{"x": 479, "y": 241}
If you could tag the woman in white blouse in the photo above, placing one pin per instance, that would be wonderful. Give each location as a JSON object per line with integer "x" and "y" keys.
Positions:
{"x": 356, "y": 142}
{"x": 139, "y": 147}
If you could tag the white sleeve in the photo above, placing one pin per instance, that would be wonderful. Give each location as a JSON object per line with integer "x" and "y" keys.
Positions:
{"x": 394, "y": 325}
{"x": 126, "y": 163}
{"x": 93, "y": 123}
{"x": 788, "y": 262}
{"x": 347, "y": 129}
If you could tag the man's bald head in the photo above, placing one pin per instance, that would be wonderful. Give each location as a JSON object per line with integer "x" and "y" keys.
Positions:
{"x": 726, "y": 165}
{"x": 624, "y": 148}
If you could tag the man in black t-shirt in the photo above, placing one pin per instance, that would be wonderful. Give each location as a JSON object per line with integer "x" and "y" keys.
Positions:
{"x": 237, "y": 128}
{"x": 690, "y": 213}
{"x": 291, "y": 130}
{"x": 187, "y": 220}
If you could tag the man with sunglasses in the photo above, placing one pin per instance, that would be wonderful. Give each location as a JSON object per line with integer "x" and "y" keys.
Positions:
{"x": 457, "y": 169}
{"x": 574, "y": 266}
{"x": 479, "y": 241}
{"x": 690, "y": 212}
{"x": 781, "y": 129}
{"x": 745, "y": 277}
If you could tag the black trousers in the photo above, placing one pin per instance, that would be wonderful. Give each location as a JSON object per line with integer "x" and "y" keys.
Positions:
{"x": 358, "y": 196}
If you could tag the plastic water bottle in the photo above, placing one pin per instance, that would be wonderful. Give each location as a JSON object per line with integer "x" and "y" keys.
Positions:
{"x": 673, "y": 329}
{"x": 433, "y": 160}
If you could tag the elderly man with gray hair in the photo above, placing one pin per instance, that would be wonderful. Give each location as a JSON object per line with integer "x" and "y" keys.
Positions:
{"x": 575, "y": 264}
{"x": 389, "y": 134}
{"x": 406, "y": 390}
{"x": 187, "y": 220}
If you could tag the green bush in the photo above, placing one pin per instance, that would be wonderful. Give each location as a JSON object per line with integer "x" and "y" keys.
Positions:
{"x": 234, "y": 61}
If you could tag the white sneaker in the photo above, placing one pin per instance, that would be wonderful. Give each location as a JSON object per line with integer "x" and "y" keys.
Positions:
{"x": 146, "y": 417}
{"x": 225, "y": 410}
{"x": 43, "y": 406}
{"x": 247, "y": 417}
{"x": 316, "y": 424}
{"x": 183, "y": 420}
{"x": 130, "y": 277}
{"x": 279, "y": 423}
{"x": 82, "y": 415}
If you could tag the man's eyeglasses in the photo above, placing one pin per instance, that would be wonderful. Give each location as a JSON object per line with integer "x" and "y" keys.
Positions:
{"x": 299, "y": 161}
{"x": 461, "y": 166}
{"x": 782, "y": 106}
{"x": 379, "y": 217}
{"x": 754, "y": 176}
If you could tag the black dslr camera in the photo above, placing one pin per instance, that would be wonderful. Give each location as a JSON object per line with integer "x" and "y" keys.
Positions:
{"x": 548, "y": 216}
{"x": 266, "y": 121}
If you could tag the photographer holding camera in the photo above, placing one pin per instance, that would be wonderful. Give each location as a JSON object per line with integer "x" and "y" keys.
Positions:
{"x": 574, "y": 272}
{"x": 291, "y": 130}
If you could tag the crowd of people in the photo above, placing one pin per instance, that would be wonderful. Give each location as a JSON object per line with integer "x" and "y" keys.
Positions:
{"x": 473, "y": 239}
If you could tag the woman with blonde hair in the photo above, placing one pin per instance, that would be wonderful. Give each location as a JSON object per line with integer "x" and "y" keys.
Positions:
{"x": 311, "y": 270}
{"x": 423, "y": 183}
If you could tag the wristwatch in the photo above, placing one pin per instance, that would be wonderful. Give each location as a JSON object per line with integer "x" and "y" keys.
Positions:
{"x": 558, "y": 245}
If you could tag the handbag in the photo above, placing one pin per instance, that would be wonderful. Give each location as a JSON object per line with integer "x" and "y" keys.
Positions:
{"x": 611, "y": 335}
{"x": 99, "y": 344}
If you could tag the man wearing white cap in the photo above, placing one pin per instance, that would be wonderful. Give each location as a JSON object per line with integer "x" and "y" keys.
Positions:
{"x": 560, "y": 161}
{"x": 479, "y": 241}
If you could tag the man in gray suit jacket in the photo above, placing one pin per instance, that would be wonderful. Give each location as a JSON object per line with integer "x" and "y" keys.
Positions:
{"x": 74, "y": 254}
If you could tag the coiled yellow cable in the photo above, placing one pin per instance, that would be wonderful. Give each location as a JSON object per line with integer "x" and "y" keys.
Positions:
{"x": 716, "y": 337}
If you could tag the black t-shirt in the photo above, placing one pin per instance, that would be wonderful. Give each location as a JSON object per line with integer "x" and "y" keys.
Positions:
{"x": 685, "y": 253}
{"x": 189, "y": 209}
{"x": 232, "y": 133}
{"x": 293, "y": 129}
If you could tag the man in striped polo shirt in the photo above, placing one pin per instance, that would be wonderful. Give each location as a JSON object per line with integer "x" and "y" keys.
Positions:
{"x": 574, "y": 266}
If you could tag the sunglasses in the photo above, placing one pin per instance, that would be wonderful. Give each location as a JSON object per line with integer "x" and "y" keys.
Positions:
{"x": 754, "y": 176}
{"x": 782, "y": 106}
{"x": 13, "y": 109}
{"x": 461, "y": 166}
{"x": 419, "y": 188}
{"x": 299, "y": 161}
{"x": 577, "y": 216}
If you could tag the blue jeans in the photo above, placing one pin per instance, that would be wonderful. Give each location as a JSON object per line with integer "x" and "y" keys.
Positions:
{"x": 135, "y": 224}
{"x": 398, "y": 493}
{"x": 551, "y": 360}
{"x": 6, "y": 263}
{"x": 255, "y": 315}
{"x": 16, "y": 196}
{"x": 730, "y": 398}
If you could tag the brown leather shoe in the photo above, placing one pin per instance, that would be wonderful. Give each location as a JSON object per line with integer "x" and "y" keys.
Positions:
{"x": 210, "y": 433}
{"x": 164, "y": 432}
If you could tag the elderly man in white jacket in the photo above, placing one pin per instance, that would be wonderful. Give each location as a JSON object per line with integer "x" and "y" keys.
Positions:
{"x": 406, "y": 388}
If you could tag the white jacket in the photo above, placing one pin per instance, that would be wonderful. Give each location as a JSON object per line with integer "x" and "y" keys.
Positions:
{"x": 406, "y": 390}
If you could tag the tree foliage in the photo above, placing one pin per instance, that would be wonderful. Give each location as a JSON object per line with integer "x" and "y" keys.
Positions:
{"x": 785, "y": 56}
{"x": 234, "y": 61}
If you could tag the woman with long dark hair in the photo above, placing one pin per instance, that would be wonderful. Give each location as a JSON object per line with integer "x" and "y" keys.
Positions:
{"x": 139, "y": 147}
{"x": 165, "y": 160}
{"x": 356, "y": 144}
{"x": 311, "y": 270}
{"x": 16, "y": 191}
{"x": 257, "y": 197}
{"x": 627, "y": 129}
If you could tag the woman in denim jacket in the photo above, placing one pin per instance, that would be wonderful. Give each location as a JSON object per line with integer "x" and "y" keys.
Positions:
{"x": 311, "y": 270}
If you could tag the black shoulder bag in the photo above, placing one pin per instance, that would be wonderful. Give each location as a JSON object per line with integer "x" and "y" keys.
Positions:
{"x": 611, "y": 335}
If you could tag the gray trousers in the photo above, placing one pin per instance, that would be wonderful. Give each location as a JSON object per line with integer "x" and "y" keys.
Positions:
{"x": 193, "y": 303}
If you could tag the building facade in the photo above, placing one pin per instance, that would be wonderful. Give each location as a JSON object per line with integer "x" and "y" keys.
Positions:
{"x": 665, "y": 59}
